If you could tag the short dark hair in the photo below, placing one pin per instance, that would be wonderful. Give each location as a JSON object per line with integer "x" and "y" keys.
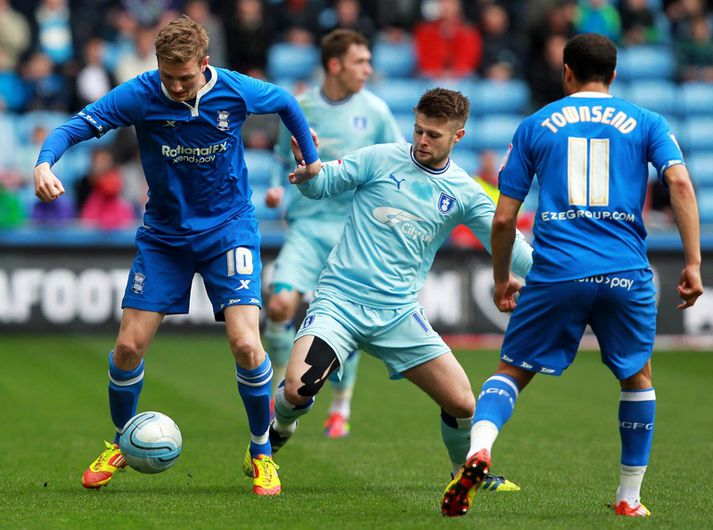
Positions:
{"x": 444, "y": 104}
{"x": 591, "y": 57}
{"x": 337, "y": 42}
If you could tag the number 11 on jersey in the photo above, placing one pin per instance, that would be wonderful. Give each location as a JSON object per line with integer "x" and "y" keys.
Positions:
{"x": 592, "y": 154}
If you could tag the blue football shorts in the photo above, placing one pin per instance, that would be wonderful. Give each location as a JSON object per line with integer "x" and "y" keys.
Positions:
{"x": 401, "y": 337}
{"x": 228, "y": 259}
{"x": 547, "y": 325}
{"x": 307, "y": 245}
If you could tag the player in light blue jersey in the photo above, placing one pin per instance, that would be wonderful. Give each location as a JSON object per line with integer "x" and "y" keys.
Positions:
{"x": 407, "y": 200}
{"x": 199, "y": 218}
{"x": 590, "y": 152}
{"x": 346, "y": 116}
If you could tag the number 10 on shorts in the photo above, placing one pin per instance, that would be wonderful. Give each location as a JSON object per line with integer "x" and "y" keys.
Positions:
{"x": 240, "y": 261}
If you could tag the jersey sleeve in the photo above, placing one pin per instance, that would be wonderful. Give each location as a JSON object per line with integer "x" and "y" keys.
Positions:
{"x": 479, "y": 218}
{"x": 663, "y": 149}
{"x": 518, "y": 168}
{"x": 338, "y": 176}
{"x": 121, "y": 107}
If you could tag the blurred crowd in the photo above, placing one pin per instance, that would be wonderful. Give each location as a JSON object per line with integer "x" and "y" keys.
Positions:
{"x": 56, "y": 56}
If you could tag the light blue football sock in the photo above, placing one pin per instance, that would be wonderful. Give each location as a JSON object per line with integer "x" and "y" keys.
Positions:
{"x": 278, "y": 338}
{"x": 254, "y": 388}
{"x": 124, "y": 390}
{"x": 637, "y": 409}
{"x": 456, "y": 436}
{"x": 496, "y": 400}
{"x": 287, "y": 414}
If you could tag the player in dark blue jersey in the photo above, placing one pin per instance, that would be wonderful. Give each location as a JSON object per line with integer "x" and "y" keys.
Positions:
{"x": 199, "y": 219}
{"x": 590, "y": 152}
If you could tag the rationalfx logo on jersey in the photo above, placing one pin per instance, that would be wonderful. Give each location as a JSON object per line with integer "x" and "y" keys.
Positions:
{"x": 193, "y": 155}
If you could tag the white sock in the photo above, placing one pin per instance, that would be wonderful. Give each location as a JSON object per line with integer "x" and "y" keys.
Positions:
{"x": 630, "y": 481}
{"x": 482, "y": 436}
{"x": 278, "y": 374}
{"x": 342, "y": 402}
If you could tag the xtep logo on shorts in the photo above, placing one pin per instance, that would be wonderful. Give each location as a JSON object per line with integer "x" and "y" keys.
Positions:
{"x": 193, "y": 155}
{"x": 403, "y": 221}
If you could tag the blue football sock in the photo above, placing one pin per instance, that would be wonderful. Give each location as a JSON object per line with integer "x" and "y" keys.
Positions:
{"x": 496, "y": 400}
{"x": 254, "y": 388}
{"x": 124, "y": 390}
{"x": 456, "y": 436}
{"x": 637, "y": 409}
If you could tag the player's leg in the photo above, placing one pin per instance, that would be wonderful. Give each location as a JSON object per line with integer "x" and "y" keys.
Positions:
{"x": 126, "y": 375}
{"x": 337, "y": 423}
{"x": 279, "y": 333}
{"x": 625, "y": 325}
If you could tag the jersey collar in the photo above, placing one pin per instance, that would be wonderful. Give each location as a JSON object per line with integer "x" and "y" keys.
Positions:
{"x": 427, "y": 169}
{"x": 213, "y": 79}
{"x": 333, "y": 102}
{"x": 590, "y": 95}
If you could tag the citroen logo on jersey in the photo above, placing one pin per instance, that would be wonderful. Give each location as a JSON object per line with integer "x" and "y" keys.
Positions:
{"x": 393, "y": 216}
{"x": 223, "y": 124}
{"x": 169, "y": 123}
{"x": 446, "y": 203}
{"x": 396, "y": 181}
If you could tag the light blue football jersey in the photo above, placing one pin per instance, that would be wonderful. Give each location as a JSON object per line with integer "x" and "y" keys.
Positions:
{"x": 344, "y": 126}
{"x": 401, "y": 214}
{"x": 192, "y": 155}
{"x": 590, "y": 152}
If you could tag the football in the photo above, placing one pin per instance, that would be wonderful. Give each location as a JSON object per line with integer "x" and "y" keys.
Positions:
{"x": 150, "y": 442}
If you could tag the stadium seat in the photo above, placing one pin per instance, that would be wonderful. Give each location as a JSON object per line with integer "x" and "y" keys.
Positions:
{"x": 12, "y": 91}
{"x": 700, "y": 166}
{"x": 290, "y": 61}
{"x": 27, "y": 123}
{"x": 491, "y": 132}
{"x": 646, "y": 62}
{"x": 405, "y": 122}
{"x": 260, "y": 164}
{"x": 465, "y": 158}
{"x": 696, "y": 98}
{"x": 499, "y": 97}
{"x": 705, "y": 205}
{"x": 697, "y": 134}
{"x": 401, "y": 95}
{"x": 659, "y": 95}
{"x": 7, "y": 133}
{"x": 393, "y": 60}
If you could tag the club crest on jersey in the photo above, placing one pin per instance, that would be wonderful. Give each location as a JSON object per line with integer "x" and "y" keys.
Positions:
{"x": 446, "y": 203}
{"x": 223, "y": 120}
{"x": 138, "y": 284}
{"x": 360, "y": 123}
{"x": 308, "y": 321}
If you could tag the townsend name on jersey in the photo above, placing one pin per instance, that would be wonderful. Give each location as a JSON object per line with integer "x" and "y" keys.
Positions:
{"x": 193, "y": 155}
{"x": 597, "y": 114}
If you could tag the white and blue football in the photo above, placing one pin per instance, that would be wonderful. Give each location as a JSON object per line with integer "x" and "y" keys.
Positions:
{"x": 150, "y": 442}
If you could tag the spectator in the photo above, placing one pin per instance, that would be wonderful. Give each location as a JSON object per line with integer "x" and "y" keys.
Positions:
{"x": 288, "y": 14}
{"x": 546, "y": 72}
{"x": 53, "y": 31}
{"x": 501, "y": 47}
{"x": 99, "y": 195}
{"x": 448, "y": 46}
{"x": 152, "y": 13}
{"x": 251, "y": 34}
{"x": 199, "y": 10}
{"x": 695, "y": 53}
{"x": 681, "y": 13}
{"x": 45, "y": 89}
{"x": 346, "y": 14}
{"x": 14, "y": 36}
{"x": 141, "y": 60}
{"x": 94, "y": 79}
{"x": 598, "y": 16}
{"x": 639, "y": 24}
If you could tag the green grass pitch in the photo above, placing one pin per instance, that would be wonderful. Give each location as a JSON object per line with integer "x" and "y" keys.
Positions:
{"x": 561, "y": 446}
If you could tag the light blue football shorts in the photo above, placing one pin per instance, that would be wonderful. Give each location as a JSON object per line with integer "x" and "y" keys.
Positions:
{"x": 550, "y": 318}
{"x": 402, "y": 337}
{"x": 307, "y": 245}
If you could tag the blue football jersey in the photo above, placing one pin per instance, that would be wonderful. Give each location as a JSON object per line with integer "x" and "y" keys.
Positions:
{"x": 590, "y": 152}
{"x": 192, "y": 154}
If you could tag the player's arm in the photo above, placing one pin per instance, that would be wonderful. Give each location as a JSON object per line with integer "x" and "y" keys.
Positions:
{"x": 685, "y": 211}
{"x": 502, "y": 238}
{"x": 336, "y": 176}
{"x": 47, "y": 186}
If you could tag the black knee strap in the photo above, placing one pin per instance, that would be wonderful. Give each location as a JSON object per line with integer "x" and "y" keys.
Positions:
{"x": 322, "y": 362}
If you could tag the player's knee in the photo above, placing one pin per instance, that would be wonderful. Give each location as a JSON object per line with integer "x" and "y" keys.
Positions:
{"x": 461, "y": 405}
{"x": 292, "y": 391}
{"x": 279, "y": 309}
{"x": 128, "y": 353}
{"x": 247, "y": 351}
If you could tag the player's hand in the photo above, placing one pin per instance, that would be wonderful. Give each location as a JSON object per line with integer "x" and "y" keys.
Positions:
{"x": 273, "y": 197}
{"x": 296, "y": 151}
{"x": 47, "y": 186}
{"x": 504, "y": 295}
{"x": 690, "y": 286}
